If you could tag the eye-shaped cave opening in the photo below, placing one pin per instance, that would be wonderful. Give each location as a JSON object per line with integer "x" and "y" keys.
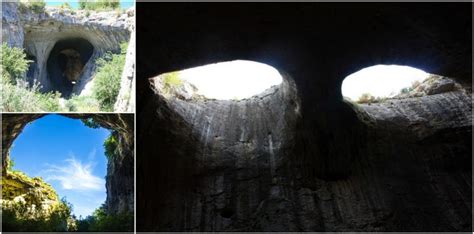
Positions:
{"x": 380, "y": 83}
{"x": 237, "y": 122}
{"x": 407, "y": 101}
{"x": 233, "y": 80}
{"x": 66, "y": 63}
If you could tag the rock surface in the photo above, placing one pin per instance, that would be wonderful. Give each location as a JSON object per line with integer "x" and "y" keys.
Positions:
{"x": 38, "y": 33}
{"x": 348, "y": 168}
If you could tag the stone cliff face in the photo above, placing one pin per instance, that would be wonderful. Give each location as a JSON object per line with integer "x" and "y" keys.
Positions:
{"x": 241, "y": 167}
{"x": 119, "y": 179}
{"x": 46, "y": 34}
{"x": 401, "y": 165}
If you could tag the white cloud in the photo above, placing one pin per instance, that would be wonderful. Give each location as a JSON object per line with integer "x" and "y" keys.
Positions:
{"x": 74, "y": 175}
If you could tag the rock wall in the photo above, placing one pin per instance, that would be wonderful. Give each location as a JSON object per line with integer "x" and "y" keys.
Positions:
{"x": 126, "y": 97}
{"x": 120, "y": 171}
{"x": 405, "y": 167}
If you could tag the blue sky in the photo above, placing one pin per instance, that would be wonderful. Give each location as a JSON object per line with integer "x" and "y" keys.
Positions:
{"x": 68, "y": 155}
{"x": 75, "y": 3}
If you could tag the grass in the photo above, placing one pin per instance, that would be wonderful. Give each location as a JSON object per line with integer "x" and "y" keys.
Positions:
{"x": 83, "y": 104}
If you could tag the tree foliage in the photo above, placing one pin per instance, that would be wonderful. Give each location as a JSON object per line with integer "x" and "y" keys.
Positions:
{"x": 100, "y": 221}
{"x": 17, "y": 95}
{"x": 99, "y": 5}
{"x": 110, "y": 145}
{"x": 37, "y": 6}
{"x": 107, "y": 78}
{"x": 14, "y": 63}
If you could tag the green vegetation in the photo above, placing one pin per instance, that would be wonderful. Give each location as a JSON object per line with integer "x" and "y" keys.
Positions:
{"x": 90, "y": 122}
{"x": 171, "y": 81}
{"x": 110, "y": 145}
{"x": 83, "y": 104}
{"x": 16, "y": 94}
{"x": 107, "y": 78}
{"x": 10, "y": 164}
{"x": 66, "y": 6}
{"x": 99, "y": 5}
{"x": 37, "y": 6}
{"x": 30, "y": 204}
{"x": 100, "y": 221}
{"x": 19, "y": 216}
{"x": 366, "y": 98}
{"x": 14, "y": 63}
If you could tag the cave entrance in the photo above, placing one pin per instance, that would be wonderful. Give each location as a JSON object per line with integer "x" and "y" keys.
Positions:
{"x": 380, "y": 82}
{"x": 234, "y": 80}
{"x": 68, "y": 155}
{"x": 66, "y": 63}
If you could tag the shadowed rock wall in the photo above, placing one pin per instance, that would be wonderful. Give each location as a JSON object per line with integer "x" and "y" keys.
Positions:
{"x": 349, "y": 168}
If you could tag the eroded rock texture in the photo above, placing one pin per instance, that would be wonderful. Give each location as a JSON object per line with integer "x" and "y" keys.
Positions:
{"x": 40, "y": 33}
{"x": 404, "y": 166}
{"x": 119, "y": 179}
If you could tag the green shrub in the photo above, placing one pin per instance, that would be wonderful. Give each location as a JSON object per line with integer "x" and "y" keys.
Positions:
{"x": 65, "y": 5}
{"x": 16, "y": 93}
{"x": 99, "y": 5}
{"x": 14, "y": 63}
{"x": 406, "y": 90}
{"x": 110, "y": 145}
{"x": 100, "y": 221}
{"x": 107, "y": 78}
{"x": 18, "y": 217}
{"x": 170, "y": 81}
{"x": 90, "y": 122}
{"x": 366, "y": 98}
{"x": 82, "y": 104}
{"x": 22, "y": 98}
{"x": 37, "y": 6}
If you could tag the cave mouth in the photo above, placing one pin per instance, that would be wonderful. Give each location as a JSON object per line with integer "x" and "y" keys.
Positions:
{"x": 66, "y": 63}
{"x": 232, "y": 80}
{"x": 381, "y": 81}
{"x": 74, "y": 169}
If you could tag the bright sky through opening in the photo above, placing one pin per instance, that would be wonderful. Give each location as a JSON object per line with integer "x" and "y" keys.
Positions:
{"x": 232, "y": 80}
{"x": 381, "y": 81}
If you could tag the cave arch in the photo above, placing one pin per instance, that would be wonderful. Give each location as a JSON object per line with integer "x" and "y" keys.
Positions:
{"x": 66, "y": 62}
{"x": 120, "y": 171}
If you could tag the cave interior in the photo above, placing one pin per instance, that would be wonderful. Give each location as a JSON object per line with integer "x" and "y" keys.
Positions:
{"x": 66, "y": 62}
{"x": 303, "y": 158}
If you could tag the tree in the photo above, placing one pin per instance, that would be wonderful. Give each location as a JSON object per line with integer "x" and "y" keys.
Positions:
{"x": 14, "y": 63}
{"x": 107, "y": 78}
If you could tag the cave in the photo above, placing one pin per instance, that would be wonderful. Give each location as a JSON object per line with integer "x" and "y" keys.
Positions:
{"x": 335, "y": 165}
{"x": 120, "y": 170}
{"x": 66, "y": 62}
